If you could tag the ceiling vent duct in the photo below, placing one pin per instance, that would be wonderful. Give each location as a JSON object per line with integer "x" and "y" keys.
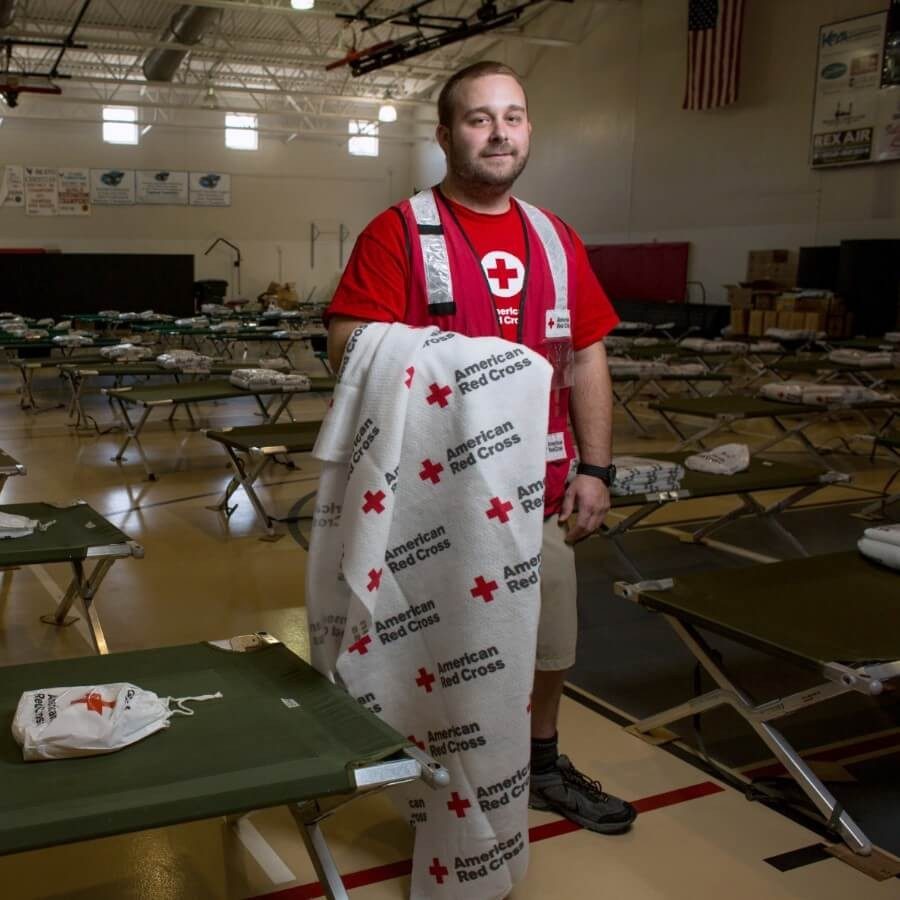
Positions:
{"x": 7, "y": 12}
{"x": 188, "y": 26}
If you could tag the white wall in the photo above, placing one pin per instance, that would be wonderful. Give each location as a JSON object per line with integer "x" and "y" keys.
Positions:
{"x": 277, "y": 192}
{"x": 615, "y": 155}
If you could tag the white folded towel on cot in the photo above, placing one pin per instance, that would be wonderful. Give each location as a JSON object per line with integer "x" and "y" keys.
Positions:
{"x": 193, "y": 322}
{"x": 820, "y": 394}
{"x": 793, "y": 334}
{"x": 73, "y": 340}
{"x": 14, "y": 526}
{"x": 689, "y": 369}
{"x": 620, "y": 366}
{"x": 882, "y": 544}
{"x": 258, "y": 379}
{"x": 702, "y": 345}
{"x": 861, "y": 358}
{"x": 892, "y": 337}
{"x": 126, "y": 353}
{"x": 765, "y": 347}
{"x": 423, "y": 585}
{"x": 290, "y": 334}
{"x": 643, "y": 475}
{"x": 185, "y": 361}
{"x": 230, "y": 325}
{"x": 729, "y": 459}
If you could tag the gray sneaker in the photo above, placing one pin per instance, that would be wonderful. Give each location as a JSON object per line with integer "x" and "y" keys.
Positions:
{"x": 564, "y": 790}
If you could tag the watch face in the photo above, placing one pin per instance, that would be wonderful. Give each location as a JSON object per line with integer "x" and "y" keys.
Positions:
{"x": 612, "y": 473}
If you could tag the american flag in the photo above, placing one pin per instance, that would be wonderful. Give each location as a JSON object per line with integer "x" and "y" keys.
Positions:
{"x": 714, "y": 53}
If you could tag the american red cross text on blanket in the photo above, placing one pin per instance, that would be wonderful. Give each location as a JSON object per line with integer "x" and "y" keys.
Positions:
{"x": 423, "y": 588}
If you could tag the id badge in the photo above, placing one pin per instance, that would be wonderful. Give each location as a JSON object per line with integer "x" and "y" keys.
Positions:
{"x": 556, "y": 446}
{"x": 558, "y": 348}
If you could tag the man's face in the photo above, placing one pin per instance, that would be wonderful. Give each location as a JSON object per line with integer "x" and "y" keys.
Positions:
{"x": 489, "y": 139}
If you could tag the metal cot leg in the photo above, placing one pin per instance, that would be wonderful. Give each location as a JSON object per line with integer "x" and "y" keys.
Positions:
{"x": 85, "y": 589}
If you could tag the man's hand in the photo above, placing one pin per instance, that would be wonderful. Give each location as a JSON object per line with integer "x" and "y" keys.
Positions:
{"x": 588, "y": 498}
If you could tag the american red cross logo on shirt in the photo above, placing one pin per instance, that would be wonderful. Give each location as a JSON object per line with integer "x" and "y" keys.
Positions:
{"x": 361, "y": 646}
{"x": 499, "y": 510}
{"x": 374, "y": 580}
{"x": 458, "y": 805}
{"x": 373, "y": 502}
{"x": 438, "y": 395}
{"x": 438, "y": 871}
{"x": 414, "y": 740}
{"x": 431, "y": 471}
{"x": 94, "y": 702}
{"x": 484, "y": 589}
{"x": 425, "y": 680}
{"x": 505, "y": 273}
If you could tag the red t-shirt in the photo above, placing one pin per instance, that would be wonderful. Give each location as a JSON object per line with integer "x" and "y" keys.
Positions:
{"x": 374, "y": 286}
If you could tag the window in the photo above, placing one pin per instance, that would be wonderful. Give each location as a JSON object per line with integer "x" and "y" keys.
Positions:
{"x": 241, "y": 132}
{"x": 363, "y": 138}
{"x": 120, "y": 125}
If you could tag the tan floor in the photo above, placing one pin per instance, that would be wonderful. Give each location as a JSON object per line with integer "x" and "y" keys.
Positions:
{"x": 203, "y": 577}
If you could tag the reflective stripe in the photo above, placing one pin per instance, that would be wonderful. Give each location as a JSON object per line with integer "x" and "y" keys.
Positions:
{"x": 438, "y": 283}
{"x": 556, "y": 255}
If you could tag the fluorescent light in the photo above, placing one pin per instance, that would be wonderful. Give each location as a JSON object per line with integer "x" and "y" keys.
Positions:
{"x": 387, "y": 112}
{"x": 302, "y": 4}
{"x": 145, "y": 129}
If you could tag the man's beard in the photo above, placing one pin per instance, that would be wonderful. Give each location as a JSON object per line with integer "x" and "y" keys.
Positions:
{"x": 478, "y": 175}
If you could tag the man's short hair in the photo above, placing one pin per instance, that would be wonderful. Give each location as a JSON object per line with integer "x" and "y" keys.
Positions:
{"x": 447, "y": 97}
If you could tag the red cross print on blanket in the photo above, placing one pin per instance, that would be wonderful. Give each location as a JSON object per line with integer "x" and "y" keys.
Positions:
{"x": 423, "y": 590}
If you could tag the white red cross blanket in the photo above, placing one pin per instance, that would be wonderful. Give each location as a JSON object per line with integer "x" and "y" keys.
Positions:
{"x": 423, "y": 585}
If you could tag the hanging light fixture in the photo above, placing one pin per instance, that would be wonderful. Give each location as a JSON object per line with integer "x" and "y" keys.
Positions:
{"x": 302, "y": 4}
{"x": 387, "y": 112}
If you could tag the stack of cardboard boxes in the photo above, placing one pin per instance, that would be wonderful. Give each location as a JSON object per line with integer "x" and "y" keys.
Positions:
{"x": 768, "y": 299}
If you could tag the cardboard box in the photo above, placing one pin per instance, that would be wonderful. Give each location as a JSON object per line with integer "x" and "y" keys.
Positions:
{"x": 739, "y": 321}
{"x": 786, "y": 303}
{"x": 739, "y": 297}
{"x": 770, "y": 320}
{"x": 755, "y": 327}
{"x": 814, "y": 321}
{"x": 778, "y": 266}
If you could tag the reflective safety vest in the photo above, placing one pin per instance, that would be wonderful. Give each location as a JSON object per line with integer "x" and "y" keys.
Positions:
{"x": 449, "y": 289}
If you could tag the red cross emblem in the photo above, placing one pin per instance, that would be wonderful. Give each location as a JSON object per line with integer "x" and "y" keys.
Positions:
{"x": 361, "y": 646}
{"x": 438, "y": 395}
{"x": 431, "y": 471}
{"x": 413, "y": 739}
{"x": 373, "y": 502}
{"x": 502, "y": 274}
{"x": 550, "y": 322}
{"x": 425, "y": 680}
{"x": 458, "y": 805}
{"x": 409, "y": 376}
{"x": 94, "y": 701}
{"x": 438, "y": 871}
{"x": 484, "y": 589}
{"x": 374, "y": 579}
{"x": 499, "y": 510}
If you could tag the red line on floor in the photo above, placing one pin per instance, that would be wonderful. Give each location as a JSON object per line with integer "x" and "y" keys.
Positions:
{"x": 538, "y": 833}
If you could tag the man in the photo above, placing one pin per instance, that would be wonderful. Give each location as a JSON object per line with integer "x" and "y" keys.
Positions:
{"x": 467, "y": 257}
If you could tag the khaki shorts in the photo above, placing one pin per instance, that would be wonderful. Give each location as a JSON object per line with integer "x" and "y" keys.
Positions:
{"x": 558, "y": 626}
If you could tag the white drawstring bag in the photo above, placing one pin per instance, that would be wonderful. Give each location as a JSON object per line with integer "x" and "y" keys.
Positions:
{"x": 88, "y": 720}
{"x": 728, "y": 459}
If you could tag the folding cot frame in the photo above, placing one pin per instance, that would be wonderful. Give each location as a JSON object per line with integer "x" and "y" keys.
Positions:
{"x": 86, "y": 535}
{"x": 151, "y": 397}
{"x": 878, "y": 509}
{"x": 760, "y": 477}
{"x": 29, "y": 366}
{"x": 636, "y": 384}
{"x": 825, "y": 371}
{"x": 359, "y": 754}
{"x": 690, "y": 602}
{"x": 9, "y": 467}
{"x": 260, "y": 445}
{"x": 77, "y": 373}
{"x": 724, "y": 412}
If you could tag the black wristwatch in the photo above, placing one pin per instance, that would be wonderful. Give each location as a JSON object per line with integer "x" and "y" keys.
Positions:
{"x": 607, "y": 474}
